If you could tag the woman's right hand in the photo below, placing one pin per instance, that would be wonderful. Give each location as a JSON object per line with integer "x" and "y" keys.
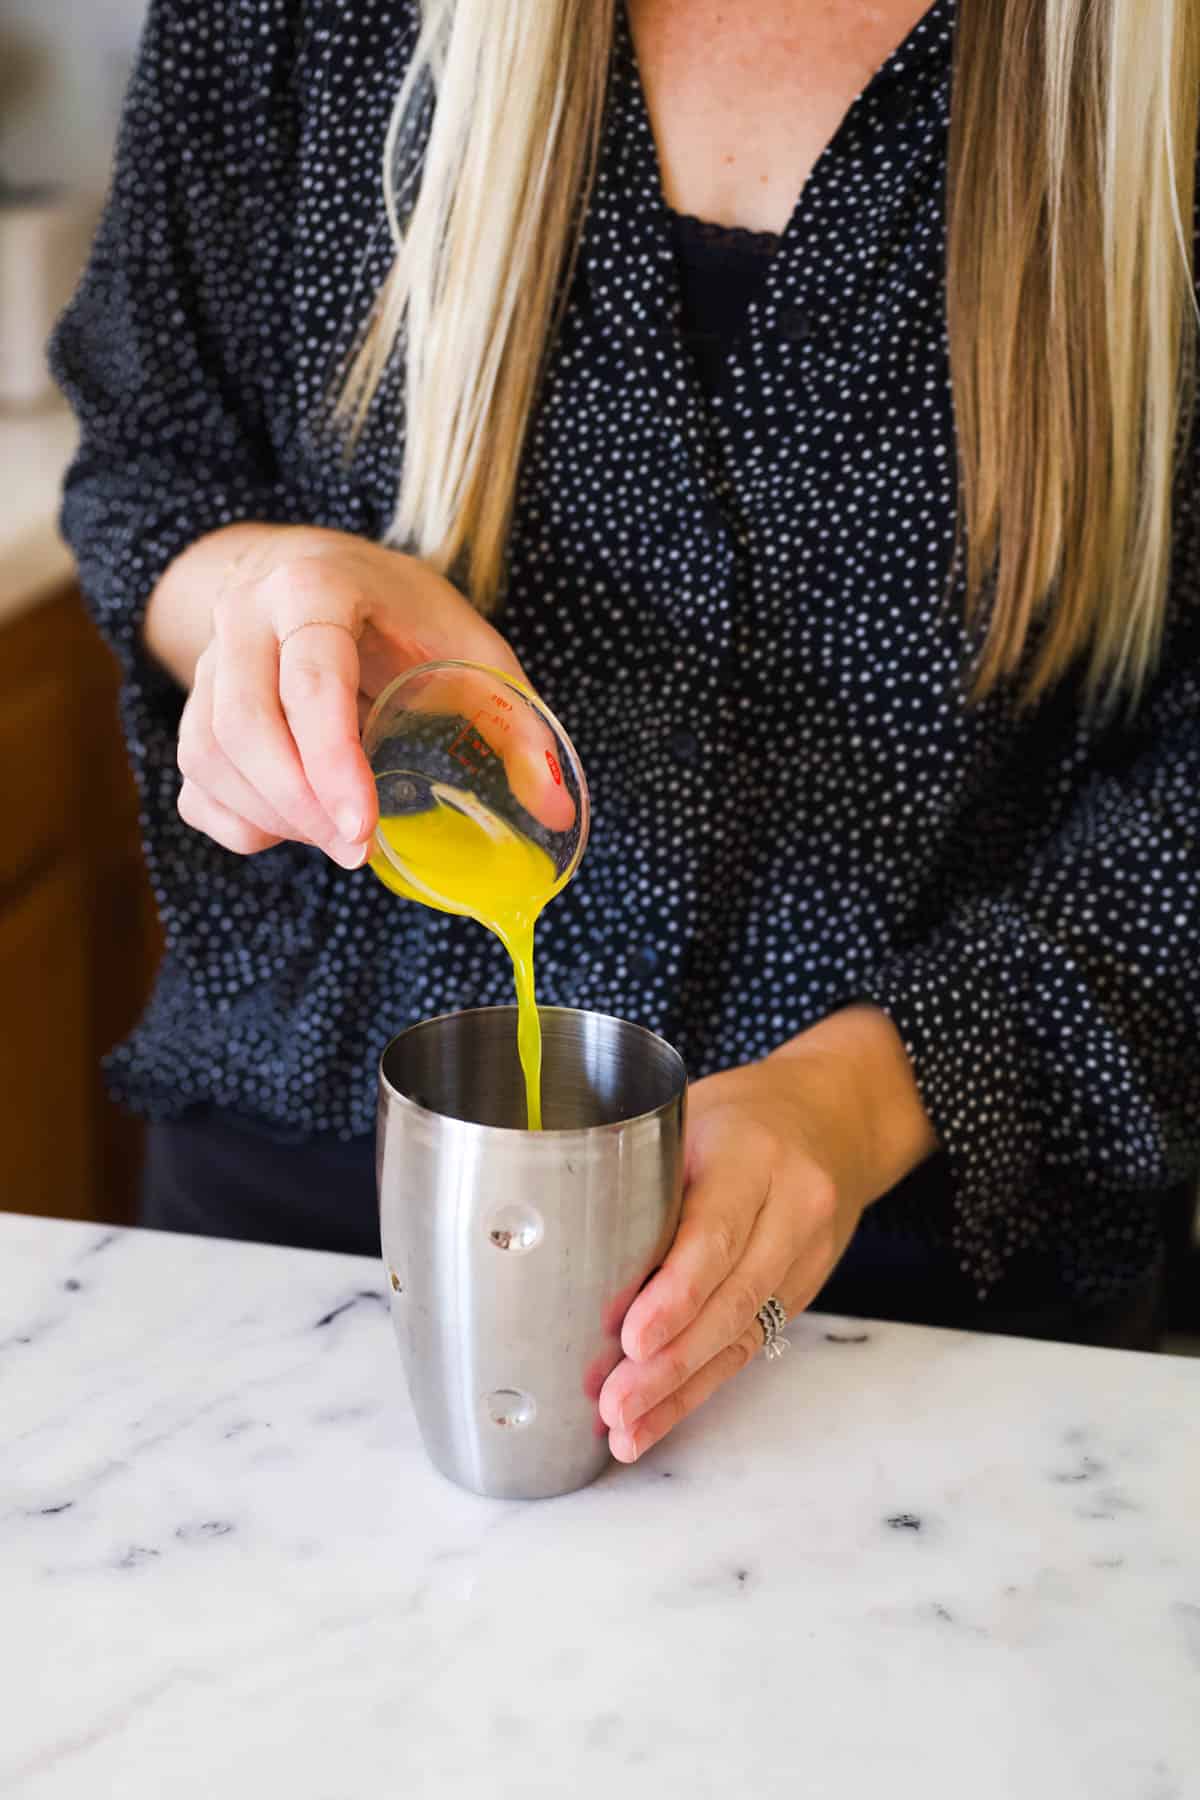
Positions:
{"x": 304, "y": 629}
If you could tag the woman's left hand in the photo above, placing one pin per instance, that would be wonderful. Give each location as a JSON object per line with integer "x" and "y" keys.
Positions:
{"x": 783, "y": 1157}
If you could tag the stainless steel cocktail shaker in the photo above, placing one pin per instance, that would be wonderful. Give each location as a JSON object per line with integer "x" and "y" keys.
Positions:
{"x": 513, "y": 1255}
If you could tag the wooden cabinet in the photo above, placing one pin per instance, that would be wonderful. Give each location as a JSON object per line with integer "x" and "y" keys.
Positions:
{"x": 79, "y": 939}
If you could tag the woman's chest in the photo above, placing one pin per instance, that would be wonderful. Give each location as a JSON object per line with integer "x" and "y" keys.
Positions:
{"x": 797, "y": 527}
{"x": 794, "y": 532}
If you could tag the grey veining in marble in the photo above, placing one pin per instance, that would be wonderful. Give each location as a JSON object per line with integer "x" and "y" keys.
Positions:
{"x": 897, "y": 1563}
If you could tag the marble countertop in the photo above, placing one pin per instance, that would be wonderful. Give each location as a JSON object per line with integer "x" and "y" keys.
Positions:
{"x": 898, "y": 1564}
{"x": 34, "y": 452}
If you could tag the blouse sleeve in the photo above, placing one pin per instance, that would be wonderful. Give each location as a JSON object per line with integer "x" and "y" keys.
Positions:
{"x": 1054, "y": 1026}
{"x": 175, "y": 350}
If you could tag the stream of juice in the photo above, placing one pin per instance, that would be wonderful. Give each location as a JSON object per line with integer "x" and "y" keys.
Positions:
{"x": 490, "y": 872}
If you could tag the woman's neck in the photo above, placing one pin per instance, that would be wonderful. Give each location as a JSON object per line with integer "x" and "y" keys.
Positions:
{"x": 745, "y": 94}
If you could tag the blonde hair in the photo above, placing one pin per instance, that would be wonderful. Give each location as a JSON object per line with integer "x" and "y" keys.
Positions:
{"x": 504, "y": 101}
{"x": 1071, "y": 300}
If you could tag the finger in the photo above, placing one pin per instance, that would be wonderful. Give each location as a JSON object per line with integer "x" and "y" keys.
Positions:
{"x": 720, "y": 1210}
{"x": 533, "y": 755}
{"x": 202, "y": 813}
{"x": 249, "y": 725}
{"x": 432, "y": 624}
{"x": 515, "y": 729}
{"x": 202, "y": 761}
{"x": 318, "y": 691}
{"x": 599, "y": 1370}
{"x": 628, "y": 1445}
{"x": 613, "y": 1316}
{"x": 539, "y": 781}
{"x": 635, "y": 1388}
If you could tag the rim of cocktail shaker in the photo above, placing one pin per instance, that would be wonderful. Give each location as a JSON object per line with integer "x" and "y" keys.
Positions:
{"x": 461, "y": 662}
{"x": 557, "y": 1133}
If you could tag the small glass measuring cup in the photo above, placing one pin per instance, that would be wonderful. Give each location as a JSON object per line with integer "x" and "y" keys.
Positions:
{"x": 467, "y": 738}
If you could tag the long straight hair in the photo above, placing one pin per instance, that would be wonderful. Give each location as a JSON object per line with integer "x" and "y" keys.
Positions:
{"x": 1071, "y": 306}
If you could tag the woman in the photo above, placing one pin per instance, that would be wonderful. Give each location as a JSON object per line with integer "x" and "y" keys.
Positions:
{"x": 797, "y": 393}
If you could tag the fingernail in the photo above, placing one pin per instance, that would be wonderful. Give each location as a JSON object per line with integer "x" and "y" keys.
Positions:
{"x": 349, "y": 824}
{"x": 350, "y": 856}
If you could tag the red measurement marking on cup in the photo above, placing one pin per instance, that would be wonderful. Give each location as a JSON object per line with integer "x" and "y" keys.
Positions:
{"x": 552, "y": 765}
{"x": 492, "y": 719}
{"x": 501, "y": 702}
{"x": 470, "y": 749}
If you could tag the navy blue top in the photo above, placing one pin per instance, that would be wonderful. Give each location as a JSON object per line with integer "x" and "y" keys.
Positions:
{"x": 735, "y": 596}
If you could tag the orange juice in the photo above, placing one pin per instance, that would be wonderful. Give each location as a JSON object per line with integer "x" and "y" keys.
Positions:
{"x": 480, "y": 866}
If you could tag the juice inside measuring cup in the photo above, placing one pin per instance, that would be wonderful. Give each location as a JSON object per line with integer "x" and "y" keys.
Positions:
{"x": 486, "y": 869}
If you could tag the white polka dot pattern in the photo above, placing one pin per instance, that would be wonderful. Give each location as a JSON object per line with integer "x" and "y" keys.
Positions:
{"x": 739, "y": 607}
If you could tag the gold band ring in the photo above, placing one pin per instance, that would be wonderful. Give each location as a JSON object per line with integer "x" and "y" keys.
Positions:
{"x": 334, "y": 624}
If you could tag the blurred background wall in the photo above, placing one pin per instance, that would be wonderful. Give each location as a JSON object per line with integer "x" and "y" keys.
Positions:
{"x": 78, "y": 936}
{"x": 63, "y": 68}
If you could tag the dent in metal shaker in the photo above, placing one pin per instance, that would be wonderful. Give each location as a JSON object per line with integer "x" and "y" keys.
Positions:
{"x": 513, "y": 1255}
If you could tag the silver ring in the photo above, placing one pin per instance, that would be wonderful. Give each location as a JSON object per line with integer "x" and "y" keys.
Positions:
{"x": 772, "y": 1316}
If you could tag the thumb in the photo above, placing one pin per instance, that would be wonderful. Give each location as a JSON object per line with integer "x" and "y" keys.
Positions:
{"x": 416, "y": 616}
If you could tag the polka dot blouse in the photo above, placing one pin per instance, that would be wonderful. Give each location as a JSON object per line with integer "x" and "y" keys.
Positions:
{"x": 739, "y": 601}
